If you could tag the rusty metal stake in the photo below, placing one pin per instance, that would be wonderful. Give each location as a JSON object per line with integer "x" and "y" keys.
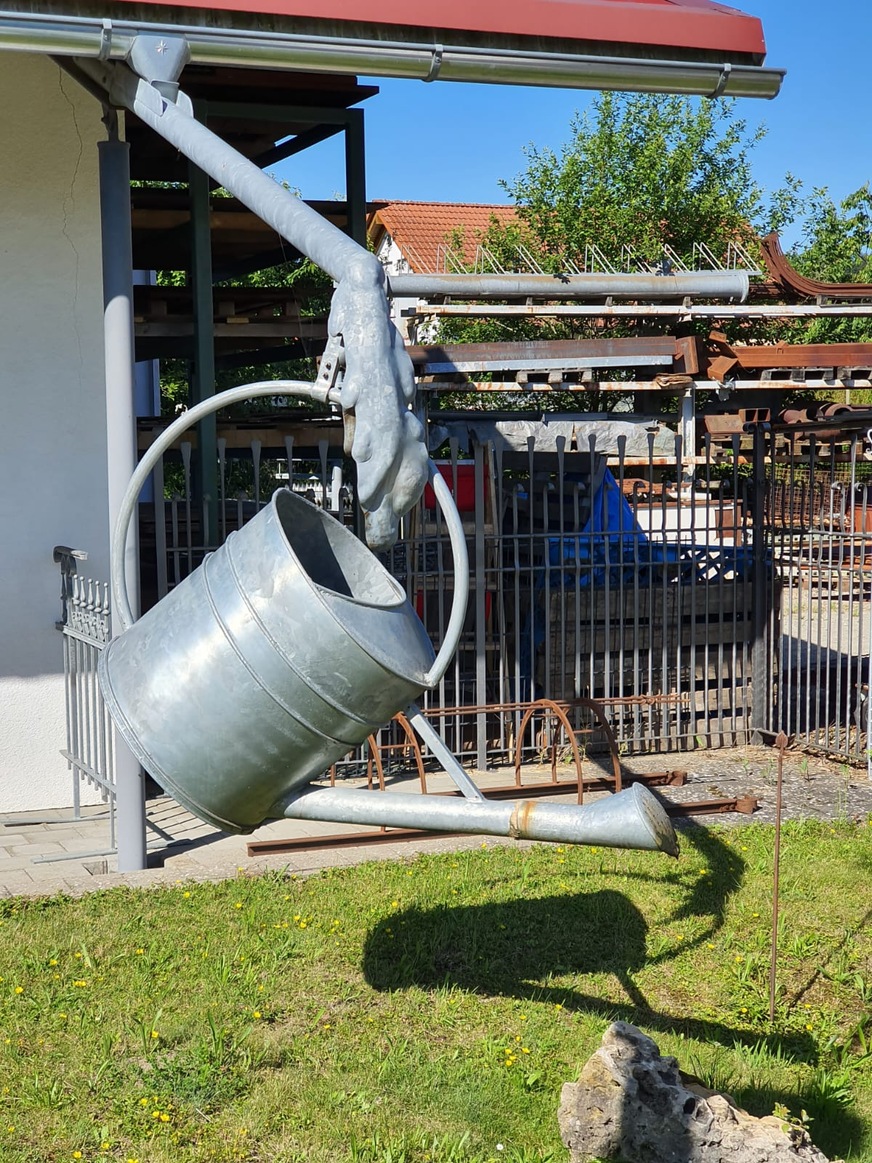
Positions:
{"x": 781, "y": 744}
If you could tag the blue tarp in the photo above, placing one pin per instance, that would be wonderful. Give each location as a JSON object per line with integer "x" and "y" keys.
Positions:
{"x": 612, "y": 541}
{"x": 613, "y": 547}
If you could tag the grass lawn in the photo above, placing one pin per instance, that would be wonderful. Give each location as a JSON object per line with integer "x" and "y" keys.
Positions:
{"x": 430, "y": 1009}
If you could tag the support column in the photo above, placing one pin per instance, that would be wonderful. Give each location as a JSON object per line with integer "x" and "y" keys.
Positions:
{"x": 114, "y": 163}
{"x": 355, "y": 176}
{"x": 203, "y": 378}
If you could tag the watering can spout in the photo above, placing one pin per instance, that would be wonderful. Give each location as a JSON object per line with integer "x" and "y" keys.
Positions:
{"x": 633, "y": 818}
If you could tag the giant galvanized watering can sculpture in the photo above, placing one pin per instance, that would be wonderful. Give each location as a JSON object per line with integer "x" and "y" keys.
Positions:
{"x": 286, "y": 648}
{"x": 291, "y": 643}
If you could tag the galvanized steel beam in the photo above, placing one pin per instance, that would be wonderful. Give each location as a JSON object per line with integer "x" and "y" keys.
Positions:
{"x": 593, "y": 285}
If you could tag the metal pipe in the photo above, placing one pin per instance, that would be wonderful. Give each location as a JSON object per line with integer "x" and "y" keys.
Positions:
{"x": 634, "y": 818}
{"x": 732, "y": 285}
{"x": 112, "y": 39}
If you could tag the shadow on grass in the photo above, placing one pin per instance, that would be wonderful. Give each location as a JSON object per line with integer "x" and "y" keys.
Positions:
{"x": 517, "y": 948}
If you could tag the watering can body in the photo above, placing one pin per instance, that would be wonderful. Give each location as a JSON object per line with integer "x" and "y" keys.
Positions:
{"x": 284, "y": 650}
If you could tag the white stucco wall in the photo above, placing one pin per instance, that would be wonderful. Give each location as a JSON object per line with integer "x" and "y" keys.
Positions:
{"x": 395, "y": 263}
{"x": 53, "y": 428}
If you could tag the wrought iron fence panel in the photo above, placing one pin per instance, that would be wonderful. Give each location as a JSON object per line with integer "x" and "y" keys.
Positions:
{"x": 819, "y": 534}
{"x": 86, "y": 629}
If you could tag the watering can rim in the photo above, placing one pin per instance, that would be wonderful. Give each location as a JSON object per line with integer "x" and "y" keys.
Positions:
{"x": 400, "y": 596}
{"x": 330, "y": 599}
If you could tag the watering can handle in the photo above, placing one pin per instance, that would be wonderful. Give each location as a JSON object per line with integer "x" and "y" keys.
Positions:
{"x": 324, "y": 395}
{"x": 460, "y": 557}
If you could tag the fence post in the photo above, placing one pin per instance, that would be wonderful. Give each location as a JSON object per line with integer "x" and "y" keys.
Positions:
{"x": 761, "y": 656}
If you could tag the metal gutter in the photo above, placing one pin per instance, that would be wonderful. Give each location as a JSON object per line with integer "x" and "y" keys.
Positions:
{"x": 112, "y": 39}
{"x": 725, "y": 284}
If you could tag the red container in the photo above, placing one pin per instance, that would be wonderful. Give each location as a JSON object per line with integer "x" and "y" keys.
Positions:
{"x": 464, "y": 489}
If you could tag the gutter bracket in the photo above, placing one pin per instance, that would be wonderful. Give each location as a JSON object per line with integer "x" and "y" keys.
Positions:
{"x": 723, "y": 81}
{"x": 435, "y": 64}
{"x": 105, "y": 41}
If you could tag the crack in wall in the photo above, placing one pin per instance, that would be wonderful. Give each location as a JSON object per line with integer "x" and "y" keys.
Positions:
{"x": 68, "y": 210}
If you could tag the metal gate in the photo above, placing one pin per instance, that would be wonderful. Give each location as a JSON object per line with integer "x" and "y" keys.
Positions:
{"x": 85, "y": 626}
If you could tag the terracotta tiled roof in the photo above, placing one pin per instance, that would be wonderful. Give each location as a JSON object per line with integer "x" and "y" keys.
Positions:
{"x": 425, "y": 230}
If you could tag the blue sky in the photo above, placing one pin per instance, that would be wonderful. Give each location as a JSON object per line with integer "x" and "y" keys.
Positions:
{"x": 450, "y": 142}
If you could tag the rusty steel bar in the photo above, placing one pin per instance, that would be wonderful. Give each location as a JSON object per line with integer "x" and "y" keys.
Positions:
{"x": 781, "y": 744}
{"x": 791, "y": 280}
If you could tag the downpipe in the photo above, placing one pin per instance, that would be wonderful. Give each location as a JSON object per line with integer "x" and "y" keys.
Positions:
{"x": 633, "y": 818}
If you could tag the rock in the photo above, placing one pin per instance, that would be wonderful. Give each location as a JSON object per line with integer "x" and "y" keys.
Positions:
{"x": 633, "y": 1105}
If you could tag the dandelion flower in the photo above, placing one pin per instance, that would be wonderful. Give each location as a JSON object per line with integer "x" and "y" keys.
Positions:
{"x": 19, "y": 989}
{"x": 257, "y": 1014}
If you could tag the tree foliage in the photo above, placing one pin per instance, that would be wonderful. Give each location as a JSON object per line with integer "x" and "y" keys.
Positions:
{"x": 644, "y": 171}
{"x": 640, "y": 173}
{"x": 836, "y": 247}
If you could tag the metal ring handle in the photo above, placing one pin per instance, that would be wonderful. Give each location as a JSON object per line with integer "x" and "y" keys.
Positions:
{"x": 120, "y": 600}
{"x": 460, "y": 556}
{"x": 444, "y": 498}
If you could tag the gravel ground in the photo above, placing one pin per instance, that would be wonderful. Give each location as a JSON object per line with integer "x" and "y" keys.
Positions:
{"x": 813, "y": 787}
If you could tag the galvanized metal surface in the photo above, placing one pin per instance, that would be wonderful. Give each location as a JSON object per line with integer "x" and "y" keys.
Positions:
{"x": 630, "y": 819}
{"x": 288, "y": 647}
{"x": 688, "y": 310}
{"x": 383, "y": 434}
{"x": 724, "y": 284}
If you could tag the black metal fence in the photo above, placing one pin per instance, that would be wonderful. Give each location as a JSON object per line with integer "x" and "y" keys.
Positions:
{"x": 703, "y": 600}
{"x": 818, "y": 523}
{"x": 622, "y": 571}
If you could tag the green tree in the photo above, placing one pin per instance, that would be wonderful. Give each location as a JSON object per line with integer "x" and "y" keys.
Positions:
{"x": 639, "y": 173}
{"x": 644, "y": 171}
{"x": 836, "y": 247}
